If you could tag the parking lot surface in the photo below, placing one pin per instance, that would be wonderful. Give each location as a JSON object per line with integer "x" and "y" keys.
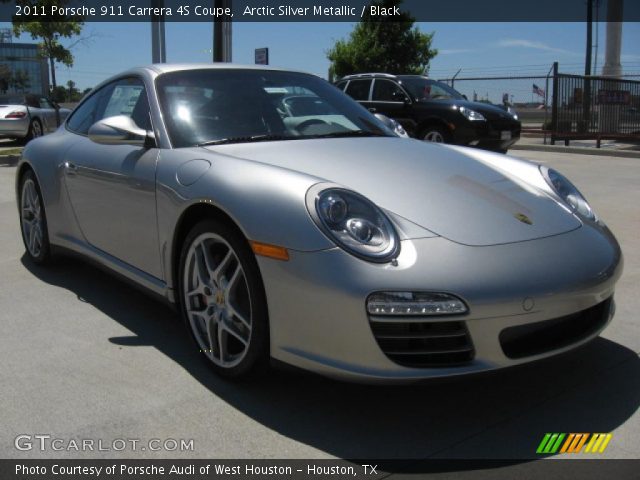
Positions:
{"x": 86, "y": 356}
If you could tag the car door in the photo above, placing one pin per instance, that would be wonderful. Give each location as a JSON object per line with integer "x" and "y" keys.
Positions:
{"x": 48, "y": 115}
{"x": 360, "y": 90}
{"x": 389, "y": 99}
{"x": 112, "y": 187}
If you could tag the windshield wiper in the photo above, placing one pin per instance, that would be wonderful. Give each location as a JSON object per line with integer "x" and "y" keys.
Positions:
{"x": 350, "y": 133}
{"x": 245, "y": 139}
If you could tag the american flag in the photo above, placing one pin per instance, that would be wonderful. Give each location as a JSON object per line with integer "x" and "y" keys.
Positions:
{"x": 537, "y": 90}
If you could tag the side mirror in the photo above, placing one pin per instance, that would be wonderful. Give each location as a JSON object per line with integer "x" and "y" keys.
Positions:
{"x": 465, "y": 97}
{"x": 120, "y": 130}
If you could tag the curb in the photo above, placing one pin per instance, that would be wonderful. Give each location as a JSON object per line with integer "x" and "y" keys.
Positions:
{"x": 9, "y": 160}
{"x": 582, "y": 150}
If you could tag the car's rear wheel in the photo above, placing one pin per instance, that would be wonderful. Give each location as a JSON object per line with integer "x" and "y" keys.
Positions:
{"x": 33, "y": 220}
{"x": 35, "y": 130}
{"x": 222, "y": 299}
{"x": 436, "y": 134}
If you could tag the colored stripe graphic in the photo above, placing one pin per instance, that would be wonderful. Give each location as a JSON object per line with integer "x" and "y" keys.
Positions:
{"x": 574, "y": 443}
{"x": 550, "y": 443}
{"x": 598, "y": 443}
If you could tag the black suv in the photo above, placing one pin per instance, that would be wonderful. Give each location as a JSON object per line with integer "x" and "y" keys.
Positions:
{"x": 431, "y": 110}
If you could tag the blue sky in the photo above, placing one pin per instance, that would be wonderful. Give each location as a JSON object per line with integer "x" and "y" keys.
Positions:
{"x": 479, "y": 49}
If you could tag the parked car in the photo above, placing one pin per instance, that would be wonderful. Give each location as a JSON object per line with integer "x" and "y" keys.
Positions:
{"x": 323, "y": 240}
{"x": 433, "y": 111}
{"x": 24, "y": 117}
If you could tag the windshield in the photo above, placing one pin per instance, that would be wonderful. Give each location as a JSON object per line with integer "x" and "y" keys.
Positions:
{"x": 425, "y": 89}
{"x": 211, "y": 106}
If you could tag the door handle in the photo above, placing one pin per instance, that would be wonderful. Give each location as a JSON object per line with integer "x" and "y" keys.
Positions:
{"x": 70, "y": 168}
{"x": 373, "y": 110}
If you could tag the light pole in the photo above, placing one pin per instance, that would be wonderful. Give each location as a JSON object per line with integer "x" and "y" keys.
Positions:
{"x": 222, "y": 35}
{"x": 158, "y": 49}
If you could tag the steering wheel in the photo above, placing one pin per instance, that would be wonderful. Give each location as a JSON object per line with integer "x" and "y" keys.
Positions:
{"x": 307, "y": 123}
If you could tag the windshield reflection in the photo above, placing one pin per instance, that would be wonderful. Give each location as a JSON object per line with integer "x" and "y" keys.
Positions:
{"x": 216, "y": 106}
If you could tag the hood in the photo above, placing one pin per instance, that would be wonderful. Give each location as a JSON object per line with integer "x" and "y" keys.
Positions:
{"x": 490, "y": 112}
{"x": 437, "y": 187}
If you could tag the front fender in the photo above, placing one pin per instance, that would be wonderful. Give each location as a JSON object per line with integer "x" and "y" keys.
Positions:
{"x": 267, "y": 203}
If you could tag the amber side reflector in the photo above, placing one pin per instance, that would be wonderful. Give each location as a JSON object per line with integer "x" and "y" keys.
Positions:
{"x": 271, "y": 251}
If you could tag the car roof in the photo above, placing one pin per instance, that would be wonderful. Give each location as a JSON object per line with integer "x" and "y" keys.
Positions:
{"x": 160, "y": 68}
{"x": 380, "y": 75}
{"x": 154, "y": 70}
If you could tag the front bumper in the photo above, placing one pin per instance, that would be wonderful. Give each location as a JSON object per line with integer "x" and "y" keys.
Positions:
{"x": 490, "y": 135}
{"x": 319, "y": 322}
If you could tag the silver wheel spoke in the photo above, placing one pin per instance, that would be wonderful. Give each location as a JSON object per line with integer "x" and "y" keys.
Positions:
{"x": 32, "y": 238}
{"x": 232, "y": 281}
{"x": 239, "y": 316}
{"x": 231, "y": 329}
{"x": 217, "y": 274}
{"x": 204, "y": 274}
{"x": 222, "y": 343}
{"x": 211, "y": 326}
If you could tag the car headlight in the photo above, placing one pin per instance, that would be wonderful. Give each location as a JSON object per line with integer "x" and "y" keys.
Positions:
{"x": 513, "y": 113}
{"x": 471, "y": 114}
{"x": 354, "y": 223}
{"x": 567, "y": 192}
{"x": 399, "y": 129}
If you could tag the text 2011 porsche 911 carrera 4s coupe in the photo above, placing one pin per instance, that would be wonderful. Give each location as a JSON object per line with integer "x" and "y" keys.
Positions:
{"x": 315, "y": 235}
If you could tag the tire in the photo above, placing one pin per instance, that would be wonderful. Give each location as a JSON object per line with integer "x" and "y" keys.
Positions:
{"x": 435, "y": 134}
{"x": 35, "y": 131}
{"x": 222, "y": 300}
{"x": 33, "y": 220}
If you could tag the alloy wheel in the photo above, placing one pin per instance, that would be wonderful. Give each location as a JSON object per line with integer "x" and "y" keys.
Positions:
{"x": 217, "y": 300}
{"x": 36, "y": 129}
{"x": 31, "y": 215}
{"x": 434, "y": 136}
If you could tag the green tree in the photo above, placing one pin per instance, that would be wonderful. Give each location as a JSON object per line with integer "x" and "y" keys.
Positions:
{"x": 390, "y": 44}
{"x": 59, "y": 94}
{"x": 50, "y": 33}
{"x": 73, "y": 93}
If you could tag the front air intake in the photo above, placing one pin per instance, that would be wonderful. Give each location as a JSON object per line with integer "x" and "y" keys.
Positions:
{"x": 422, "y": 344}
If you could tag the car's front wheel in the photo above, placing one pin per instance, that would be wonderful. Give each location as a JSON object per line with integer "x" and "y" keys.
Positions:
{"x": 222, "y": 299}
{"x": 33, "y": 220}
{"x": 435, "y": 134}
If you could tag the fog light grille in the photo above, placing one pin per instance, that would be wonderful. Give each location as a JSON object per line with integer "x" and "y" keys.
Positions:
{"x": 424, "y": 344}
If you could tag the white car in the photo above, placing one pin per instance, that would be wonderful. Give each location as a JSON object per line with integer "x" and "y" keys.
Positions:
{"x": 27, "y": 116}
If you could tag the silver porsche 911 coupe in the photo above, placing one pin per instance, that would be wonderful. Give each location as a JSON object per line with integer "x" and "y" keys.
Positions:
{"x": 315, "y": 235}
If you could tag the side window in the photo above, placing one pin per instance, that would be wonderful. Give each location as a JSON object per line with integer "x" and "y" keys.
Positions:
{"x": 359, "y": 89}
{"x": 128, "y": 97}
{"x": 387, "y": 91}
{"x": 340, "y": 85}
{"x": 122, "y": 97}
{"x": 85, "y": 115}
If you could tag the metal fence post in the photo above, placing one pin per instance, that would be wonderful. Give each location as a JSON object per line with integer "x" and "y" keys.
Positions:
{"x": 554, "y": 104}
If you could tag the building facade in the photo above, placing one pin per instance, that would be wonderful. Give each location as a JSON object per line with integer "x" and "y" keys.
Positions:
{"x": 22, "y": 70}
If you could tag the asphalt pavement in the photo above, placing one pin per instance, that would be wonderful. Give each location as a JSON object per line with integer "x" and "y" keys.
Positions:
{"x": 85, "y": 356}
